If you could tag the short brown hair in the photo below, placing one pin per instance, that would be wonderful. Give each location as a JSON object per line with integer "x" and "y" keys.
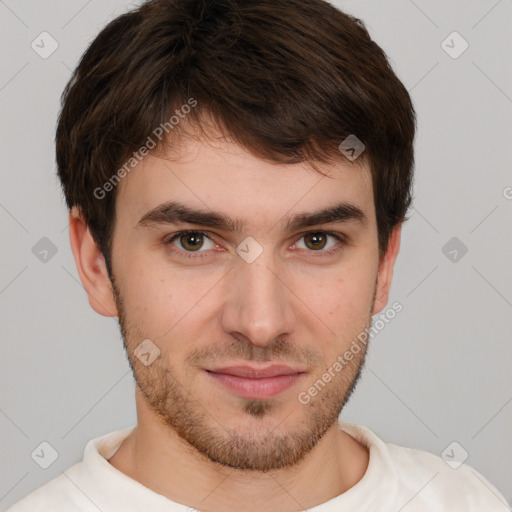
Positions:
{"x": 289, "y": 81}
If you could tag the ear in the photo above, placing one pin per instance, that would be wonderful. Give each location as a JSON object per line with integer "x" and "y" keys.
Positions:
{"x": 385, "y": 273}
{"x": 91, "y": 267}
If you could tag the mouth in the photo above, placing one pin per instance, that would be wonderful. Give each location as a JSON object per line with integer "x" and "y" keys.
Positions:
{"x": 257, "y": 383}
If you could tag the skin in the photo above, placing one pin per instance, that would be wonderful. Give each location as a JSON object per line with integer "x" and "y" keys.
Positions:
{"x": 196, "y": 442}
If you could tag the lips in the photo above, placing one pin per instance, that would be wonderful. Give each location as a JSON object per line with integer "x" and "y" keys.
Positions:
{"x": 251, "y": 382}
{"x": 257, "y": 373}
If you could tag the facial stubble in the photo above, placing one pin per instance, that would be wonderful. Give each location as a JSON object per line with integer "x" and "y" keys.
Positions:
{"x": 176, "y": 407}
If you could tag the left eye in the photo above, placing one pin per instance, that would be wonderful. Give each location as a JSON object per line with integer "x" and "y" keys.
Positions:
{"x": 191, "y": 241}
{"x": 317, "y": 241}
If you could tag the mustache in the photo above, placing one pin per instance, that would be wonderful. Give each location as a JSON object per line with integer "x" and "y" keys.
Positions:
{"x": 243, "y": 349}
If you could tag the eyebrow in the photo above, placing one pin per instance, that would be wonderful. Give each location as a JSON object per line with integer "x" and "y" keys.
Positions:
{"x": 173, "y": 212}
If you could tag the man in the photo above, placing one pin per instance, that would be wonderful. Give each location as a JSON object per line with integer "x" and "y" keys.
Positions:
{"x": 237, "y": 174}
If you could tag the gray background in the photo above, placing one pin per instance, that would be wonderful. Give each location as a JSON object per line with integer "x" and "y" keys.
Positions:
{"x": 438, "y": 373}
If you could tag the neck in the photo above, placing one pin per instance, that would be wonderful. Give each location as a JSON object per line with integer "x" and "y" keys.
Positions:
{"x": 155, "y": 456}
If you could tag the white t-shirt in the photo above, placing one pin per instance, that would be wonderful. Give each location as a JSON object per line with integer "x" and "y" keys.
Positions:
{"x": 397, "y": 479}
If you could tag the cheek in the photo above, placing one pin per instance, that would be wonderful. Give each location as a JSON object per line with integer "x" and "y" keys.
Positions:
{"x": 342, "y": 301}
{"x": 168, "y": 304}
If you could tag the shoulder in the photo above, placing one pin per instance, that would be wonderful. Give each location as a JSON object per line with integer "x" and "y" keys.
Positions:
{"x": 430, "y": 479}
{"x": 424, "y": 481}
{"x": 81, "y": 487}
{"x": 57, "y": 494}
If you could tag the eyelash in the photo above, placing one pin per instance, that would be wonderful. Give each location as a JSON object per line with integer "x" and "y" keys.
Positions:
{"x": 204, "y": 254}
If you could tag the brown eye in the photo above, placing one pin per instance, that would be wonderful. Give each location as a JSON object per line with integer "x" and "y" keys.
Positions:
{"x": 315, "y": 241}
{"x": 189, "y": 242}
{"x": 192, "y": 241}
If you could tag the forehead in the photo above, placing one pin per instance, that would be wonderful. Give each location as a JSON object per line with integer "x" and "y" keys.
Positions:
{"x": 222, "y": 176}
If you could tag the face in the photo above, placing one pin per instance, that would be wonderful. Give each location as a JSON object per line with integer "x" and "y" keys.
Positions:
{"x": 238, "y": 271}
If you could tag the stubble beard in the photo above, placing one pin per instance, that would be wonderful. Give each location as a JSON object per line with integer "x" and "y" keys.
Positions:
{"x": 264, "y": 451}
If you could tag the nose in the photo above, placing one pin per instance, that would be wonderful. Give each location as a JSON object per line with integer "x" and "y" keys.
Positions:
{"x": 259, "y": 305}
